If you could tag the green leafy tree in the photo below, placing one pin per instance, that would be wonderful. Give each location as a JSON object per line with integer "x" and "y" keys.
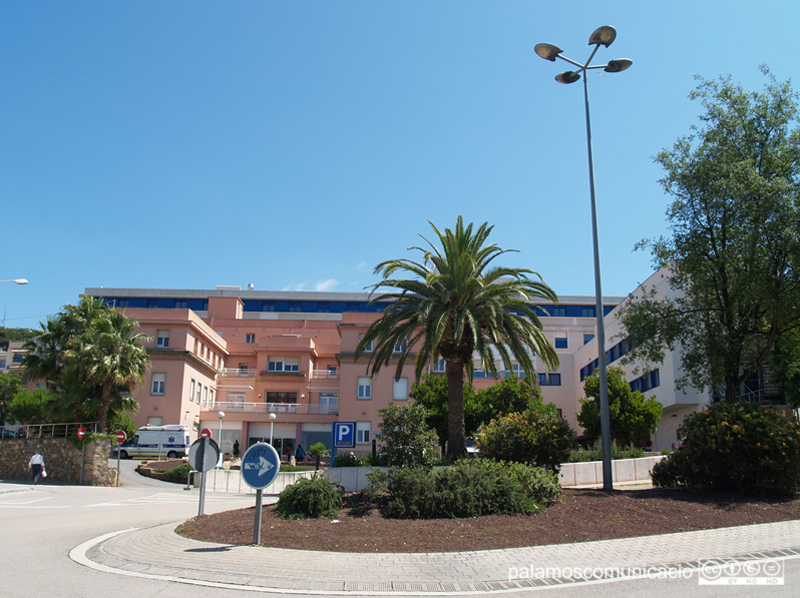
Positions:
{"x": 32, "y": 407}
{"x": 784, "y": 363}
{"x": 456, "y": 304}
{"x": 633, "y": 417}
{"x": 91, "y": 356}
{"x": 407, "y": 440}
{"x": 734, "y": 249}
{"x": 10, "y": 384}
{"x": 512, "y": 395}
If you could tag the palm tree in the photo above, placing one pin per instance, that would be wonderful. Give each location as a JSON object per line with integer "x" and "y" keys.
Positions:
{"x": 457, "y": 304}
{"x": 91, "y": 355}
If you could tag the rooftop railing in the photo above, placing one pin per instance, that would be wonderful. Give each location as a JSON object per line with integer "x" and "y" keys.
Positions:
{"x": 296, "y": 408}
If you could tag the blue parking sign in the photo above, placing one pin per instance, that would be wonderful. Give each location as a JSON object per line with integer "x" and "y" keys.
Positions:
{"x": 260, "y": 465}
{"x": 344, "y": 434}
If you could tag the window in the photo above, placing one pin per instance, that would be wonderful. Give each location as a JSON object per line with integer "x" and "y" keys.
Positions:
{"x": 235, "y": 401}
{"x": 587, "y": 337}
{"x": 155, "y": 421}
{"x": 17, "y": 358}
{"x": 250, "y": 337}
{"x": 365, "y": 388}
{"x": 401, "y": 346}
{"x": 295, "y": 306}
{"x": 281, "y": 397}
{"x": 439, "y": 365}
{"x": 558, "y": 312}
{"x": 368, "y": 348}
{"x": 363, "y": 432}
{"x": 400, "y": 389}
{"x": 191, "y": 391}
{"x": 328, "y": 402}
{"x": 283, "y": 364}
{"x": 2, "y": 364}
{"x": 561, "y": 340}
{"x": 211, "y": 397}
{"x": 517, "y": 370}
{"x": 549, "y": 379}
{"x": 199, "y": 392}
{"x": 588, "y": 312}
{"x": 205, "y": 396}
{"x": 181, "y": 304}
{"x": 158, "y": 384}
{"x": 162, "y": 338}
{"x": 332, "y": 371}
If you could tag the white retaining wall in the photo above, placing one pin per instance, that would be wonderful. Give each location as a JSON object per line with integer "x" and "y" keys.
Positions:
{"x": 572, "y": 474}
{"x": 230, "y": 480}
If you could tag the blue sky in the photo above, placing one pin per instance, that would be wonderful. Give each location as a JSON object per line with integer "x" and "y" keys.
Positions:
{"x": 294, "y": 145}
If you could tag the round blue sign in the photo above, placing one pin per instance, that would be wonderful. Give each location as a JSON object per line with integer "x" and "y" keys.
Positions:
{"x": 260, "y": 465}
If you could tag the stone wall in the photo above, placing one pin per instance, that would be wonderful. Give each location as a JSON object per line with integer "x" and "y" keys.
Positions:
{"x": 61, "y": 459}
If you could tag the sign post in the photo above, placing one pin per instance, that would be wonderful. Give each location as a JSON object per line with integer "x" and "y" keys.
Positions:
{"x": 203, "y": 455}
{"x": 343, "y": 436}
{"x": 260, "y": 466}
{"x": 81, "y": 435}
{"x": 120, "y": 435}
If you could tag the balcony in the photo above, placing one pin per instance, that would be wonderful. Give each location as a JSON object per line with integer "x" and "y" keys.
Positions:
{"x": 265, "y": 408}
{"x": 238, "y": 373}
{"x": 324, "y": 375}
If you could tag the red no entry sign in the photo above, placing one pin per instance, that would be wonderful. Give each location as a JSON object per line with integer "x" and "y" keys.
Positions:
{"x": 205, "y": 433}
{"x": 81, "y": 433}
{"x": 120, "y": 436}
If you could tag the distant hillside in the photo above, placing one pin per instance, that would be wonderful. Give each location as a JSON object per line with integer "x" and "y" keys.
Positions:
{"x": 8, "y": 335}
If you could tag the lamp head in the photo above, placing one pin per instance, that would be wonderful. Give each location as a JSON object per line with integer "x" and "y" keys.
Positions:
{"x": 604, "y": 35}
{"x": 20, "y": 281}
{"x": 547, "y": 51}
{"x": 221, "y": 414}
{"x": 568, "y": 77}
{"x": 272, "y": 416}
{"x": 618, "y": 65}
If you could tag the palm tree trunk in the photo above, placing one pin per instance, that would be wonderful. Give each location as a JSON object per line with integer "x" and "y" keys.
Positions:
{"x": 105, "y": 403}
{"x": 457, "y": 441}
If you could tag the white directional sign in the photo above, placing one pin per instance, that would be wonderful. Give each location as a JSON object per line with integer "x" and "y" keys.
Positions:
{"x": 260, "y": 465}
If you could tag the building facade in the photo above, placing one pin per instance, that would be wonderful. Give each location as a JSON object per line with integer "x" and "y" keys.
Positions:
{"x": 252, "y": 354}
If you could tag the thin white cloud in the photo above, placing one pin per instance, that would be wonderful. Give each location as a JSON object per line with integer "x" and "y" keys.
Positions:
{"x": 326, "y": 285}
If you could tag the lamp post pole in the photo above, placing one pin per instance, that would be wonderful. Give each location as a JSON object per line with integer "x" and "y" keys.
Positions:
{"x": 221, "y": 415}
{"x": 272, "y": 417}
{"x": 602, "y": 36}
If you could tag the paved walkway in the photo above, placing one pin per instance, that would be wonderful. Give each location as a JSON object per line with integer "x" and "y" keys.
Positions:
{"x": 160, "y": 553}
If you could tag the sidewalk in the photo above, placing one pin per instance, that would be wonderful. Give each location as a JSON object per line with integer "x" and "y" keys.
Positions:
{"x": 160, "y": 553}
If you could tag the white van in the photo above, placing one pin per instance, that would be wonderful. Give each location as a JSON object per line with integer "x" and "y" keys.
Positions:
{"x": 156, "y": 441}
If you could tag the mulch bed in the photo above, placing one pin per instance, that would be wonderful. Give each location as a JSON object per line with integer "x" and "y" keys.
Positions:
{"x": 583, "y": 516}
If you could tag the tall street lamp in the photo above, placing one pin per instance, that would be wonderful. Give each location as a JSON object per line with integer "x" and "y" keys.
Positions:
{"x": 603, "y": 36}
{"x": 221, "y": 416}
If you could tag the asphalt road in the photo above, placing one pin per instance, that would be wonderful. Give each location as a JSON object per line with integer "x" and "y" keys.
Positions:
{"x": 40, "y": 525}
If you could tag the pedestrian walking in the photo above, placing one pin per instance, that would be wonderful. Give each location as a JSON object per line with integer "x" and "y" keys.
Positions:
{"x": 235, "y": 449}
{"x": 300, "y": 453}
{"x": 36, "y": 467}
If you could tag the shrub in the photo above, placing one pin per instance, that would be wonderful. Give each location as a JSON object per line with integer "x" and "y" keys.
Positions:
{"x": 471, "y": 488}
{"x": 736, "y": 447}
{"x": 595, "y": 453}
{"x": 176, "y": 474}
{"x": 407, "y": 439}
{"x": 310, "y": 498}
{"x": 378, "y": 485}
{"x": 536, "y": 436}
{"x": 347, "y": 460}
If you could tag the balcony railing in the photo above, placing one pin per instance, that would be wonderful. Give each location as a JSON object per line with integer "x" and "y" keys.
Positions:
{"x": 47, "y": 430}
{"x": 324, "y": 375}
{"x": 297, "y": 408}
{"x": 238, "y": 372}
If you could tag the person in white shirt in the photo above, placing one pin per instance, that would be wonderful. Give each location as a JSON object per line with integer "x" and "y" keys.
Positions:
{"x": 36, "y": 466}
